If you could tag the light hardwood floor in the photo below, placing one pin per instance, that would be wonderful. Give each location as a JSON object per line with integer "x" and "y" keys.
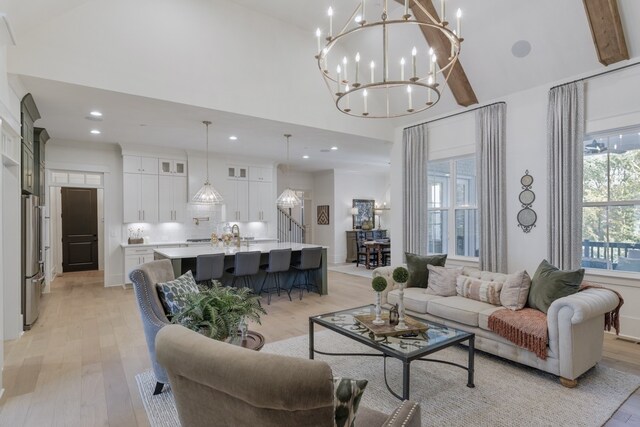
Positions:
{"x": 77, "y": 366}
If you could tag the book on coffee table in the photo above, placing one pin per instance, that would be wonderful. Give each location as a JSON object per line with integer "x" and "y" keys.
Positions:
{"x": 387, "y": 330}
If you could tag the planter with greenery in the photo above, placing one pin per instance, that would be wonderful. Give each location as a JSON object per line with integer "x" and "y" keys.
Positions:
{"x": 218, "y": 311}
{"x": 378, "y": 284}
{"x": 400, "y": 276}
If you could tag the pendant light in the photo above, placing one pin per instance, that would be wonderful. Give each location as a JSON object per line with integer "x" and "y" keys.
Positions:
{"x": 288, "y": 198}
{"x": 207, "y": 195}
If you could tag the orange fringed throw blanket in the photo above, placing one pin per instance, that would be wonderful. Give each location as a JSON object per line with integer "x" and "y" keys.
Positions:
{"x": 527, "y": 328}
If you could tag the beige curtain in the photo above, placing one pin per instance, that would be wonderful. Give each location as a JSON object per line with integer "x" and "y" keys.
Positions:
{"x": 491, "y": 165}
{"x": 414, "y": 187}
{"x": 565, "y": 134}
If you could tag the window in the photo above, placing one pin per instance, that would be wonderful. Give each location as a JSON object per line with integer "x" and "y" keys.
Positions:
{"x": 452, "y": 207}
{"x": 611, "y": 207}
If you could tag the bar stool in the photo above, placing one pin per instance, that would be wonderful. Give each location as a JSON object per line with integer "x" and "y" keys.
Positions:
{"x": 246, "y": 264}
{"x": 279, "y": 260}
{"x": 310, "y": 259}
{"x": 209, "y": 267}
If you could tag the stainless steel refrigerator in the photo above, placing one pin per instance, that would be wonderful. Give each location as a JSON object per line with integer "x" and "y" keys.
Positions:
{"x": 32, "y": 260}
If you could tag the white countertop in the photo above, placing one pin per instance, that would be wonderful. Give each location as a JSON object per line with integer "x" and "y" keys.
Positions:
{"x": 184, "y": 242}
{"x": 193, "y": 252}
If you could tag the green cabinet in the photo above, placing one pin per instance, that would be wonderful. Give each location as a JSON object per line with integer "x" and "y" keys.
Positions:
{"x": 32, "y": 153}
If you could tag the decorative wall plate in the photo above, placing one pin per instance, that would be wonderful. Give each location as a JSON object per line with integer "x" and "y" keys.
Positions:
{"x": 527, "y": 217}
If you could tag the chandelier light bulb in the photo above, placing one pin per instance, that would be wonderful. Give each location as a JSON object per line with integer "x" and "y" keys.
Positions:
{"x": 458, "y": 20}
{"x": 358, "y": 19}
{"x": 402, "y": 62}
{"x": 357, "y": 68}
{"x": 442, "y": 11}
{"x": 364, "y": 97}
{"x": 344, "y": 62}
{"x": 318, "y": 35}
{"x": 373, "y": 68}
{"x": 410, "y": 98}
{"x": 414, "y": 52}
{"x": 330, "y": 13}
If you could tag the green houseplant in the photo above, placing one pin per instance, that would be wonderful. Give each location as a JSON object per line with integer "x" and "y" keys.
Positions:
{"x": 218, "y": 311}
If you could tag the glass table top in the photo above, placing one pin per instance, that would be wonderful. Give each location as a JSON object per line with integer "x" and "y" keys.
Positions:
{"x": 436, "y": 336}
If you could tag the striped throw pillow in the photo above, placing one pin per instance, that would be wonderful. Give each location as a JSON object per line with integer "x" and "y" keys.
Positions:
{"x": 479, "y": 290}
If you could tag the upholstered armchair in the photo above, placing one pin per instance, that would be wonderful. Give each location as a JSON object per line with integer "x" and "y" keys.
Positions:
{"x": 144, "y": 280}
{"x": 219, "y": 384}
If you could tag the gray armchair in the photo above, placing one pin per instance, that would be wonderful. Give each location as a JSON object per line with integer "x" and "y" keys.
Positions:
{"x": 144, "y": 280}
{"x": 219, "y": 384}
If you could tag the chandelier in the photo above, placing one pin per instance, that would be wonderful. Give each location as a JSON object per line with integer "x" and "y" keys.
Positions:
{"x": 387, "y": 89}
{"x": 207, "y": 195}
{"x": 288, "y": 198}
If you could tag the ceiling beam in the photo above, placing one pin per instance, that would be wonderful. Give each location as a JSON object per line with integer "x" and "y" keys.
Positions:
{"x": 607, "y": 31}
{"x": 458, "y": 81}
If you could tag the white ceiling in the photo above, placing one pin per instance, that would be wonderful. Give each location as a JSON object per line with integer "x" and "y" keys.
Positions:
{"x": 558, "y": 32}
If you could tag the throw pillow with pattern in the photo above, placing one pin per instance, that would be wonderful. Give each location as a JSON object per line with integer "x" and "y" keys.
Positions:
{"x": 442, "y": 280}
{"x": 479, "y": 290}
{"x": 169, "y": 292}
{"x": 346, "y": 398}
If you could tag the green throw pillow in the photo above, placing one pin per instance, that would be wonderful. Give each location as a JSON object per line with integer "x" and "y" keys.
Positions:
{"x": 550, "y": 283}
{"x": 169, "y": 292}
{"x": 417, "y": 266}
{"x": 346, "y": 398}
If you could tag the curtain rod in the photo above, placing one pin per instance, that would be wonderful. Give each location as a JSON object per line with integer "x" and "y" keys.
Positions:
{"x": 455, "y": 114}
{"x": 599, "y": 74}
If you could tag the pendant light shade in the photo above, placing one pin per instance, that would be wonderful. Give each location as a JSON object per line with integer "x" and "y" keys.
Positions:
{"x": 288, "y": 198}
{"x": 207, "y": 195}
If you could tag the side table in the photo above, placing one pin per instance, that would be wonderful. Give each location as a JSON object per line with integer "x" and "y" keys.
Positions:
{"x": 253, "y": 341}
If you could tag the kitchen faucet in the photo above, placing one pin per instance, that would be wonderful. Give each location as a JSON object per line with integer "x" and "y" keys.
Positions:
{"x": 235, "y": 231}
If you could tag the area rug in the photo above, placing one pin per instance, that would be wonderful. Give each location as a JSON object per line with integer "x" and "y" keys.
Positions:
{"x": 506, "y": 394}
{"x": 351, "y": 269}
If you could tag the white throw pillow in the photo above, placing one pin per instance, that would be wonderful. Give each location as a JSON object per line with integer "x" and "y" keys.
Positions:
{"x": 515, "y": 290}
{"x": 442, "y": 280}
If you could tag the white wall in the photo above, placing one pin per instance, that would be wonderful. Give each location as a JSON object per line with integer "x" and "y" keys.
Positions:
{"x": 611, "y": 101}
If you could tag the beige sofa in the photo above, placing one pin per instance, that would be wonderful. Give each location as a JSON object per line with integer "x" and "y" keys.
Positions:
{"x": 575, "y": 324}
{"x": 219, "y": 384}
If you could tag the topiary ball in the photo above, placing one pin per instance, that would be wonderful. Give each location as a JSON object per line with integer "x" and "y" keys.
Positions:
{"x": 379, "y": 284}
{"x": 400, "y": 275}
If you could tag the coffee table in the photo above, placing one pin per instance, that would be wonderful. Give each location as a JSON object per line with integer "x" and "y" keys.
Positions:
{"x": 404, "y": 348}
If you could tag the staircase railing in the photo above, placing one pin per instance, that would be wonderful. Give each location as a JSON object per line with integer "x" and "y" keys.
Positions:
{"x": 289, "y": 230}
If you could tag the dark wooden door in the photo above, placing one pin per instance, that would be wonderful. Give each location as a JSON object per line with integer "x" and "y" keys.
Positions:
{"x": 79, "y": 229}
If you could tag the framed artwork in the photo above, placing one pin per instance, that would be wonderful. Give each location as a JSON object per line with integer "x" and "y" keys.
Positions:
{"x": 365, "y": 215}
{"x": 323, "y": 215}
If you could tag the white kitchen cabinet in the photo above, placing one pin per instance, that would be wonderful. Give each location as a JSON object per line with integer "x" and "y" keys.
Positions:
{"x": 140, "y": 198}
{"x": 172, "y": 167}
{"x": 133, "y": 257}
{"x": 172, "y": 198}
{"x": 237, "y": 172}
{"x": 236, "y": 199}
{"x": 261, "y": 174}
{"x": 261, "y": 204}
{"x": 140, "y": 164}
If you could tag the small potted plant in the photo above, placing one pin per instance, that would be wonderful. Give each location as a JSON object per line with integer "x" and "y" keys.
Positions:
{"x": 218, "y": 312}
{"x": 378, "y": 284}
{"x": 400, "y": 276}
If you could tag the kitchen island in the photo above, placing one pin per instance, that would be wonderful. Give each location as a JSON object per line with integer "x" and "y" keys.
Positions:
{"x": 184, "y": 259}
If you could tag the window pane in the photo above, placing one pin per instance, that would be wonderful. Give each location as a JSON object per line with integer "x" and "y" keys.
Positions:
{"x": 595, "y": 170}
{"x": 624, "y": 167}
{"x": 624, "y": 237}
{"x": 438, "y": 224}
{"x": 466, "y": 182}
{"x": 438, "y": 178}
{"x": 467, "y": 233}
{"x": 595, "y": 251}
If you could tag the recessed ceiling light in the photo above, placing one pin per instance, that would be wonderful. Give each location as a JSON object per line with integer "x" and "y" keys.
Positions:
{"x": 233, "y": 138}
{"x": 96, "y": 113}
{"x": 95, "y": 131}
{"x": 305, "y": 157}
{"x": 334, "y": 148}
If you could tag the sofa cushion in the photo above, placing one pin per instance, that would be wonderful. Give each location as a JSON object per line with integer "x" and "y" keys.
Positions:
{"x": 484, "y": 275}
{"x": 170, "y": 291}
{"x": 417, "y": 266}
{"x": 515, "y": 290}
{"x": 479, "y": 290}
{"x": 483, "y": 317}
{"x": 415, "y": 299}
{"x": 346, "y": 398}
{"x": 550, "y": 283}
{"x": 459, "y": 309}
{"x": 442, "y": 281}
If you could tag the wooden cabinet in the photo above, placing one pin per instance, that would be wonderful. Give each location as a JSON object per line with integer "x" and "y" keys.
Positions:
{"x": 28, "y": 170}
{"x": 237, "y": 200}
{"x": 261, "y": 174}
{"x": 140, "y": 164}
{"x": 172, "y": 198}
{"x": 133, "y": 257}
{"x": 140, "y": 198}
{"x": 237, "y": 172}
{"x": 261, "y": 205}
{"x": 172, "y": 167}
